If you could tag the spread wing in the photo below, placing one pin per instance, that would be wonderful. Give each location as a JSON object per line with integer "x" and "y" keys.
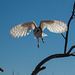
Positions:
{"x": 22, "y": 29}
{"x": 53, "y": 26}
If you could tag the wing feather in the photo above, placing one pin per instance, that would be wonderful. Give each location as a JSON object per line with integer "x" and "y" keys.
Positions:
{"x": 53, "y": 26}
{"x": 22, "y": 29}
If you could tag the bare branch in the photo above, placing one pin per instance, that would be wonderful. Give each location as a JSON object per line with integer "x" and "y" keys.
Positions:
{"x": 72, "y": 54}
{"x": 71, "y": 49}
{"x": 63, "y": 36}
{"x": 36, "y": 71}
{"x": 38, "y": 67}
{"x": 66, "y": 40}
{"x": 1, "y": 69}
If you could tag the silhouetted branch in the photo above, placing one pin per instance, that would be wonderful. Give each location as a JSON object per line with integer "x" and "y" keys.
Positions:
{"x": 71, "y": 49}
{"x": 1, "y": 69}
{"x": 39, "y": 68}
{"x": 72, "y": 54}
{"x": 66, "y": 40}
{"x": 63, "y": 36}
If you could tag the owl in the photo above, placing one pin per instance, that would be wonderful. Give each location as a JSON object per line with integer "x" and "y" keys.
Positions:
{"x": 25, "y": 28}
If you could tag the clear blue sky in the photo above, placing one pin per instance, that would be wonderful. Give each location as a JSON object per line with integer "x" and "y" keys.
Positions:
{"x": 21, "y": 55}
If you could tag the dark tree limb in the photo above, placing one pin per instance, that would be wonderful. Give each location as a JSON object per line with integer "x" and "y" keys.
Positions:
{"x": 39, "y": 67}
{"x": 63, "y": 36}
{"x": 71, "y": 49}
{"x": 1, "y": 69}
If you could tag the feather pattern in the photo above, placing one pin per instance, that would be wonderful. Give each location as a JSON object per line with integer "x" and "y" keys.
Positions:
{"x": 53, "y": 26}
{"x": 22, "y": 29}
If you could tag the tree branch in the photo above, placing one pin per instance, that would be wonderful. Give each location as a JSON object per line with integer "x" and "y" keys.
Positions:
{"x": 39, "y": 68}
{"x": 1, "y": 69}
{"x": 66, "y": 40}
{"x": 71, "y": 49}
{"x": 63, "y": 36}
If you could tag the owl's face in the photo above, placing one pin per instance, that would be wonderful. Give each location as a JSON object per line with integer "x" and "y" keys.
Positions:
{"x": 37, "y": 32}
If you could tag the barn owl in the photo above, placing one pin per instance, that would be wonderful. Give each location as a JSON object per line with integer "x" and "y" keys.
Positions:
{"x": 24, "y": 29}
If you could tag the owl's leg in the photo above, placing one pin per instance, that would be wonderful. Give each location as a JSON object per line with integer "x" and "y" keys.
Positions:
{"x": 42, "y": 40}
{"x": 38, "y": 42}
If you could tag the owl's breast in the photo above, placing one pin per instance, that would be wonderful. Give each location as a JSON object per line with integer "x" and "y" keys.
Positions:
{"x": 37, "y": 32}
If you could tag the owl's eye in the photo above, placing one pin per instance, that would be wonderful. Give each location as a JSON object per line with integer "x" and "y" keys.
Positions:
{"x": 37, "y": 30}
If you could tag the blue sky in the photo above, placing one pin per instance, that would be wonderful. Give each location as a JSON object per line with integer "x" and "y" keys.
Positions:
{"x": 21, "y": 55}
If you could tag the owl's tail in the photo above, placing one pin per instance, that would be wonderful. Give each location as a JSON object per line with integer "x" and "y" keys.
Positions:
{"x": 43, "y": 35}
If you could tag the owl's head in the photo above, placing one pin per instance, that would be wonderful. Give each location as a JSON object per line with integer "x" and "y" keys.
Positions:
{"x": 37, "y": 31}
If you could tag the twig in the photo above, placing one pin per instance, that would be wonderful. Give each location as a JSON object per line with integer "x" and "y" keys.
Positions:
{"x": 1, "y": 69}
{"x": 71, "y": 49}
{"x": 63, "y": 36}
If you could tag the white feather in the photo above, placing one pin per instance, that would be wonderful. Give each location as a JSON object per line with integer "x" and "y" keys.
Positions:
{"x": 43, "y": 35}
{"x": 54, "y": 26}
{"x": 22, "y": 29}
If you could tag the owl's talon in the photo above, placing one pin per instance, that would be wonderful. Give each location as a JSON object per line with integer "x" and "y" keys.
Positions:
{"x": 43, "y": 41}
{"x": 38, "y": 45}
